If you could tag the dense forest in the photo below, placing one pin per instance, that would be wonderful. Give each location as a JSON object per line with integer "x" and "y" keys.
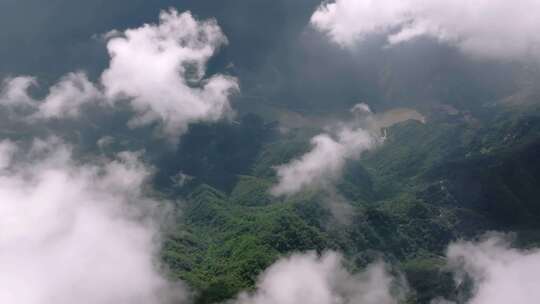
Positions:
{"x": 453, "y": 177}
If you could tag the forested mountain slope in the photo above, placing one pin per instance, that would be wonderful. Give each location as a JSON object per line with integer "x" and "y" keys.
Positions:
{"x": 454, "y": 176}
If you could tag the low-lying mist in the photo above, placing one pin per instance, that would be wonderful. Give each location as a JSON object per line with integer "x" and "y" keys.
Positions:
{"x": 78, "y": 233}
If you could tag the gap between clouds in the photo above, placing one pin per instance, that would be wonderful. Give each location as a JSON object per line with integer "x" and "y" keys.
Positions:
{"x": 88, "y": 233}
{"x": 92, "y": 228}
{"x": 323, "y": 165}
{"x": 499, "y": 273}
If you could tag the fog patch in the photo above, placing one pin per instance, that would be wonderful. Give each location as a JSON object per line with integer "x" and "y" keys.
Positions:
{"x": 14, "y": 91}
{"x": 78, "y": 233}
{"x": 323, "y": 165}
{"x": 309, "y": 278}
{"x": 64, "y": 100}
{"x": 500, "y": 273}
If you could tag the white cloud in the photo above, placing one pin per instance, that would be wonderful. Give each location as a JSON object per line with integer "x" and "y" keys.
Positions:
{"x": 77, "y": 233}
{"x": 311, "y": 279}
{"x": 15, "y": 91}
{"x": 324, "y": 163}
{"x": 64, "y": 99}
{"x": 81, "y": 233}
{"x": 160, "y": 69}
{"x": 347, "y": 21}
{"x": 496, "y": 29}
{"x": 501, "y": 274}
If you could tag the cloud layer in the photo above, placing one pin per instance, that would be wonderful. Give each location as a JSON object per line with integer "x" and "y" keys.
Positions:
{"x": 14, "y": 91}
{"x": 324, "y": 163}
{"x": 496, "y": 29}
{"x": 77, "y": 233}
{"x": 311, "y": 279}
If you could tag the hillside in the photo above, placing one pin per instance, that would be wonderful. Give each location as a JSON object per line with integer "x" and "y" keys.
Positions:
{"x": 430, "y": 183}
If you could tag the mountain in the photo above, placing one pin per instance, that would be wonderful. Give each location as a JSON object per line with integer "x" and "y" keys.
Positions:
{"x": 454, "y": 176}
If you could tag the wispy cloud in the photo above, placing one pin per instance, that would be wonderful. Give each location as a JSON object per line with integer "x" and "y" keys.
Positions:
{"x": 14, "y": 91}
{"x": 324, "y": 163}
{"x": 64, "y": 100}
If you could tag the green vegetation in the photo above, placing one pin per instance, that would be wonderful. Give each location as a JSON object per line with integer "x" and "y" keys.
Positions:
{"x": 429, "y": 184}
